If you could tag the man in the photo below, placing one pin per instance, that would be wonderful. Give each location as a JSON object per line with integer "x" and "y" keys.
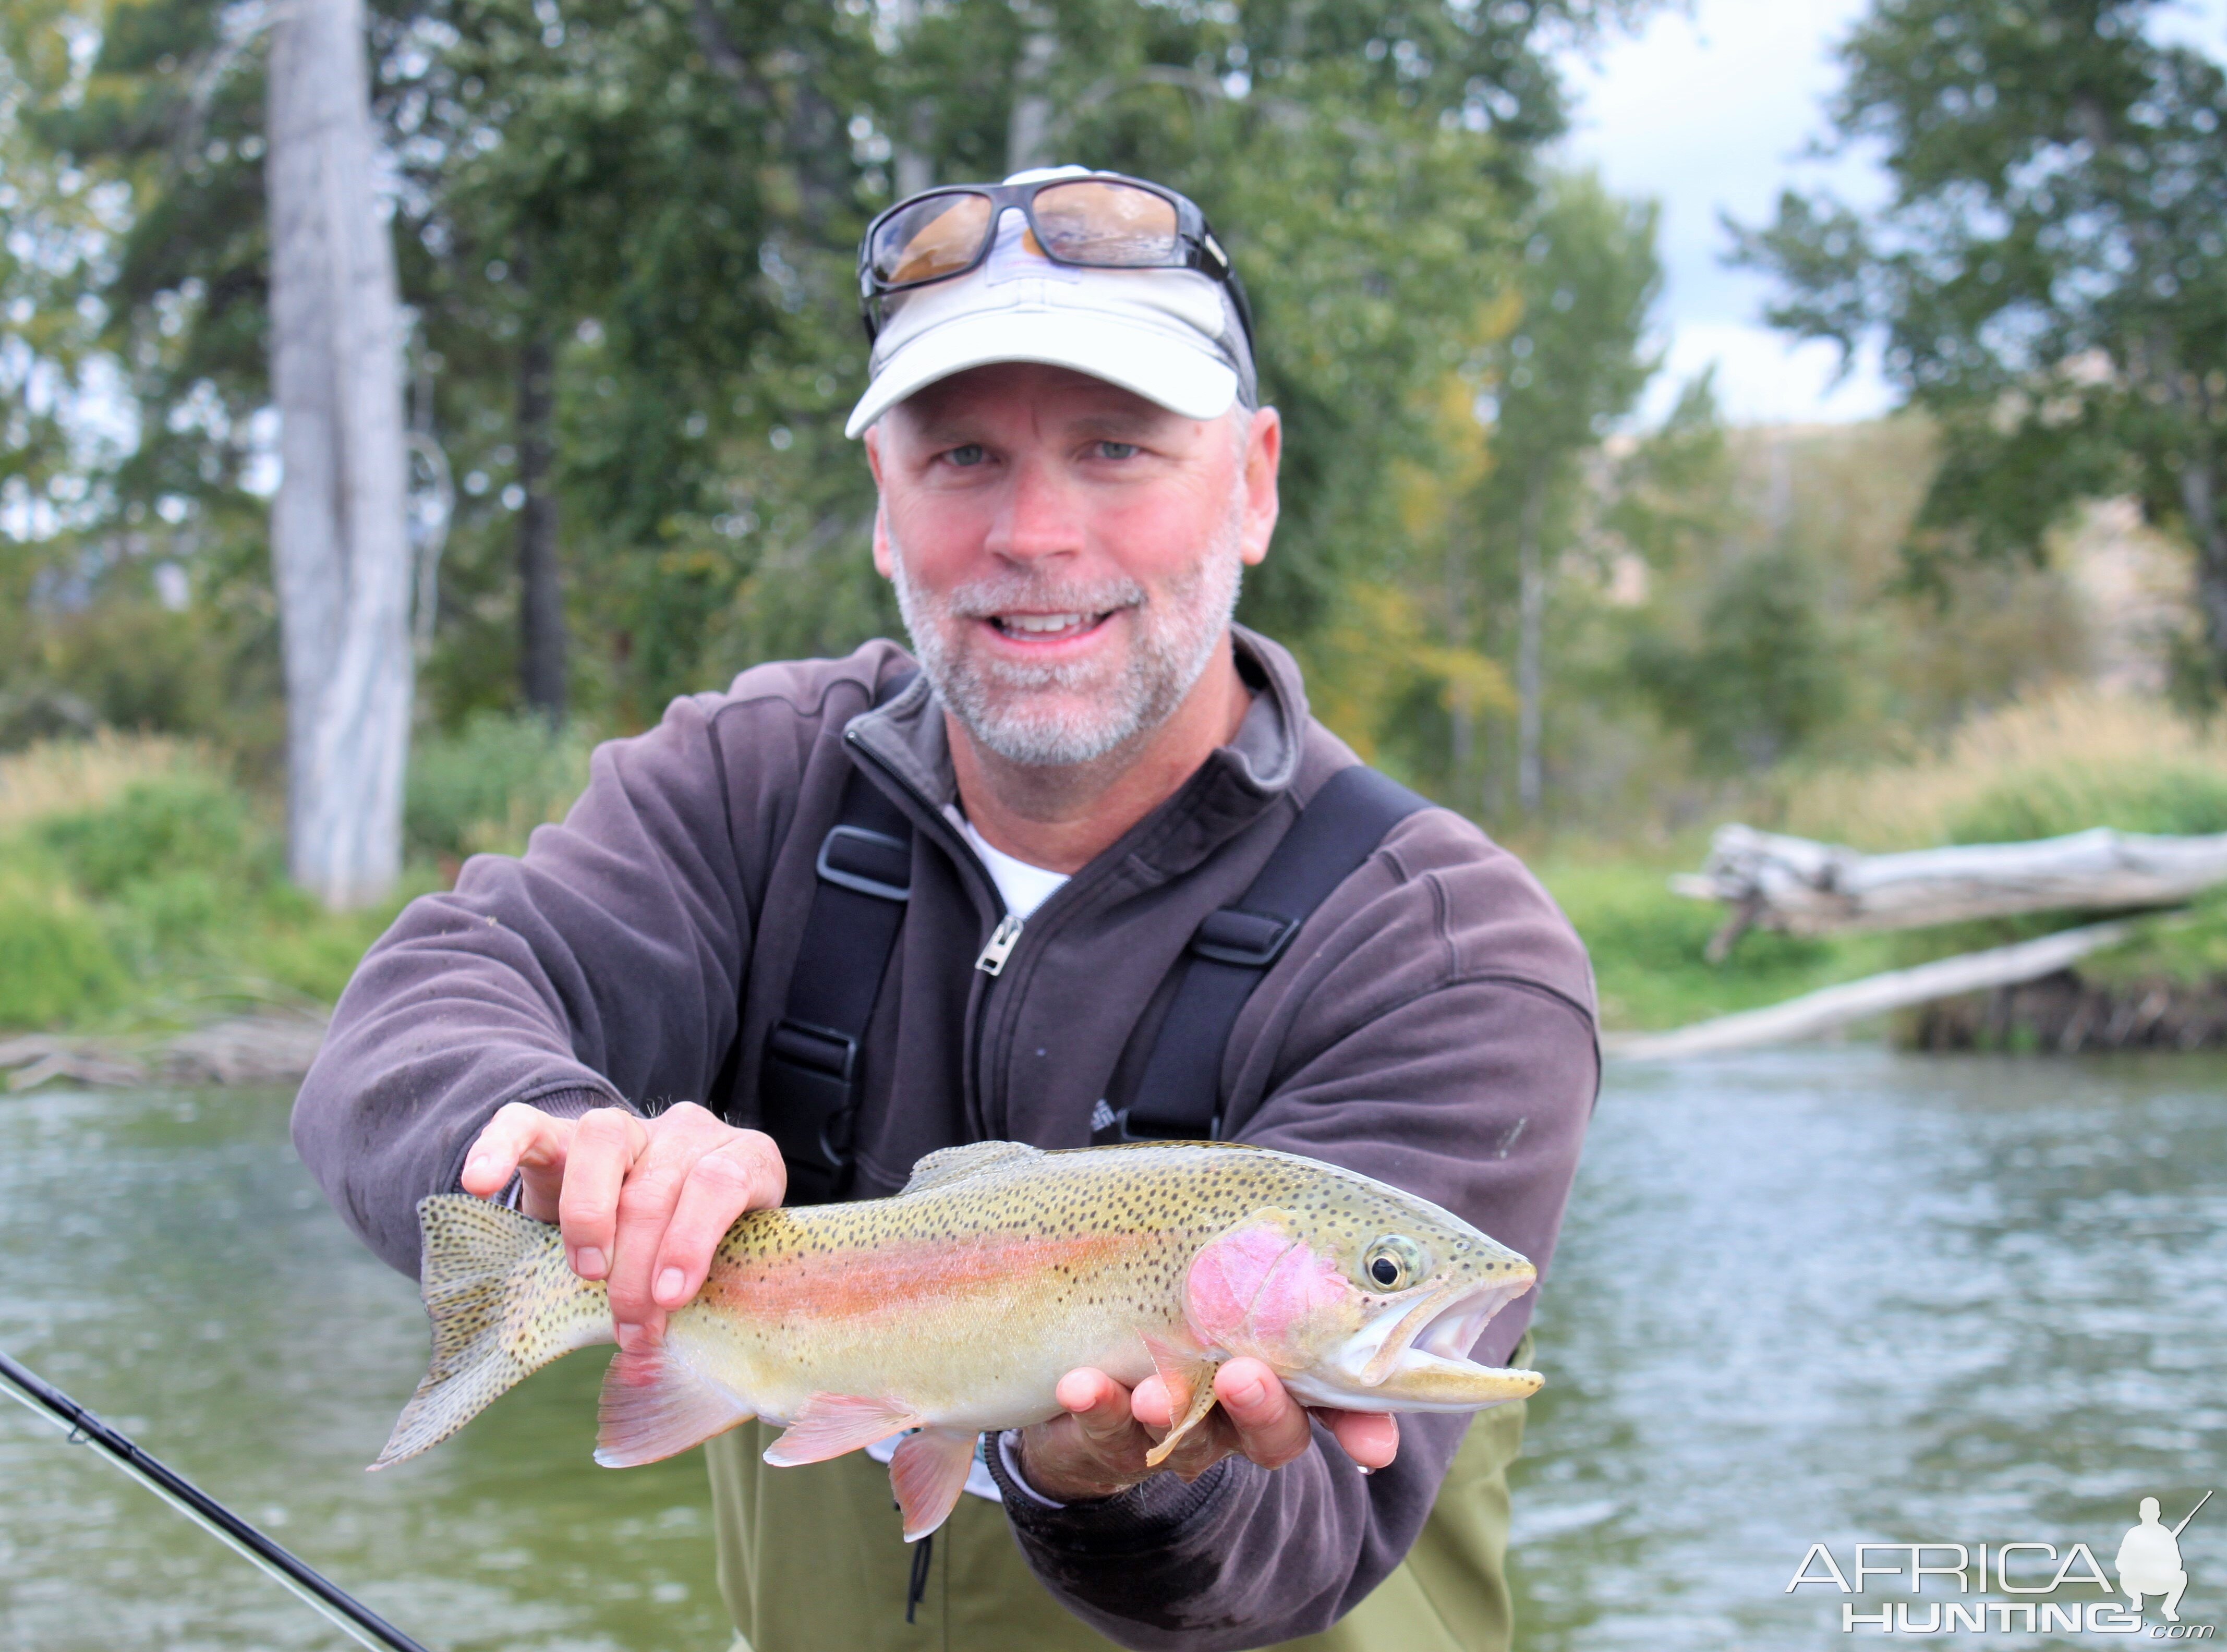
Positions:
{"x": 1090, "y": 761}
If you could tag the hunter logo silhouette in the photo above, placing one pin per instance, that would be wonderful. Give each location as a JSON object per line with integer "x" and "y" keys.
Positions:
{"x": 2149, "y": 1559}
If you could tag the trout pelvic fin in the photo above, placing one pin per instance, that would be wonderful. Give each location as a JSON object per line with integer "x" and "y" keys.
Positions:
{"x": 1188, "y": 1378}
{"x": 927, "y": 1475}
{"x": 656, "y": 1405}
{"x": 832, "y": 1424}
{"x": 503, "y": 1305}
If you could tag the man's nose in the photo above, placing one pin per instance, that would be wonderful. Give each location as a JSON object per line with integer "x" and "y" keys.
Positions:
{"x": 1040, "y": 517}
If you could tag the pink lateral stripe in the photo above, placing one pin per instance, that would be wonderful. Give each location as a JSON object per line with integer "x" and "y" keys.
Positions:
{"x": 893, "y": 1280}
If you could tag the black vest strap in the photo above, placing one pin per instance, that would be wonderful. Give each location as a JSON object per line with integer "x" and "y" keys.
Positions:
{"x": 1234, "y": 948}
{"x": 808, "y": 1083}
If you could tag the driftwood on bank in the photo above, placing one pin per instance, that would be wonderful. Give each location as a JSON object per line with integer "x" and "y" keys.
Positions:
{"x": 264, "y": 1049}
{"x": 1805, "y": 888}
{"x": 1875, "y": 995}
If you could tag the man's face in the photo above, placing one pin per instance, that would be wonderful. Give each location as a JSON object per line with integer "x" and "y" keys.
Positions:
{"x": 1066, "y": 554}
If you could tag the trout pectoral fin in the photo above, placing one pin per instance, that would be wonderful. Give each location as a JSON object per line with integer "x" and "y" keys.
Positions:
{"x": 1189, "y": 1381}
{"x": 927, "y": 1474}
{"x": 832, "y": 1424}
{"x": 656, "y": 1405}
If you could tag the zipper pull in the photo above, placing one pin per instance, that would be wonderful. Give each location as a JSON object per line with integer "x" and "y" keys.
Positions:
{"x": 1002, "y": 940}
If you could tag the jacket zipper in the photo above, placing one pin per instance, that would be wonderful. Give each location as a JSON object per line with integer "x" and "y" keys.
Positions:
{"x": 1002, "y": 940}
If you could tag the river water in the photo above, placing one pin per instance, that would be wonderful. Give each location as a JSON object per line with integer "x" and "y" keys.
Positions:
{"x": 1830, "y": 1297}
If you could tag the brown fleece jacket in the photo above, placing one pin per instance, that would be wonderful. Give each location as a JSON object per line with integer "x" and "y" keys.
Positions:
{"x": 1432, "y": 1026}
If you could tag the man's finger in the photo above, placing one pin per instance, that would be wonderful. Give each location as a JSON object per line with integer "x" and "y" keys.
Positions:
{"x": 516, "y": 1130}
{"x": 1150, "y": 1404}
{"x": 1270, "y": 1426}
{"x": 744, "y": 1173}
{"x": 1371, "y": 1438}
{"x": 604, "y": 1145}
{"x": 1099, "y": 1407}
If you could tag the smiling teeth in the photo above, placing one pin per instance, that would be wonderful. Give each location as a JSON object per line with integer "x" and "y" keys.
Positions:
{"x": 1039, "y": 624}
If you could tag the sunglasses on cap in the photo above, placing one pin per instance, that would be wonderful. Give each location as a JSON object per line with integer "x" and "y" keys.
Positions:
{"x": 1101, "y": 221}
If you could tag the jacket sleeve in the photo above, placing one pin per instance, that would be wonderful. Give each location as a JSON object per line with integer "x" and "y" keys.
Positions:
{"x": 1440, "y": 1038}
{"x": 599, "y": 969}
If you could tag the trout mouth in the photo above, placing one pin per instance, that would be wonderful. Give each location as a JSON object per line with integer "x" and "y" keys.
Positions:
{"x": 1443, "y": 1326}
{"x": 1432, "y": 1334}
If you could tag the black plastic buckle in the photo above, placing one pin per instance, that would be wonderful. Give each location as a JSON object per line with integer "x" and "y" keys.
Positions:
{"x": 873, "y": 862}
{"x": 1121, "y": 1131}
{"x": 1248, "y": 939}
{"x": 821, "y": 1066}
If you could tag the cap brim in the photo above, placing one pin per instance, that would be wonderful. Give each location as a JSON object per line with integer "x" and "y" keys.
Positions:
{"x": 1177, "y": 375}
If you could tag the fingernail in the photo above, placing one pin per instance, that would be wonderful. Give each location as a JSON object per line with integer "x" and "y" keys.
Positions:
{"x": 630, "y": 1337}
{"x": 588, "y": 1262}
{"x": 668, "y": 1287}
{"x": 478, "y": 1165}
{"x": 1248, "y": 1393}
{"x": 1364, "y": 1467}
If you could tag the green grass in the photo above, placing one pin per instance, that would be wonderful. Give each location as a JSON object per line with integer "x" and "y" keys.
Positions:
{"x": 1646, "y": 945}
{"x": 162, "y": 905}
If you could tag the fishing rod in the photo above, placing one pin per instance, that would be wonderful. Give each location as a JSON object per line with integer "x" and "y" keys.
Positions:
{"x": 346, "y": 1613}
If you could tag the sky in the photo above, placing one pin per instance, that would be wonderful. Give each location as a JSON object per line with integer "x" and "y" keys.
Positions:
{"x": 1709, "y": 111}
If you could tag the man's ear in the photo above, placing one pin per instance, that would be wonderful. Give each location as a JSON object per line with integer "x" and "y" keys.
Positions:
{"x": 1264, "y": 453}
{"x": 882, "y": 563}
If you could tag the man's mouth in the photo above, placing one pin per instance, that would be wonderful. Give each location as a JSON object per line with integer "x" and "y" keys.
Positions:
{"x": 1046, "y": 628}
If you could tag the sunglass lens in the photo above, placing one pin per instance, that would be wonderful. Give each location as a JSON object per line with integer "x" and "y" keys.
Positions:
{"x": 1113, "y": 226}
{"x": 930, "y": 238}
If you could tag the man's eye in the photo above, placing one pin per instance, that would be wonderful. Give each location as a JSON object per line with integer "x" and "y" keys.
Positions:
{"x": 1116, "y": 449}
{"x": 969, "y": 454}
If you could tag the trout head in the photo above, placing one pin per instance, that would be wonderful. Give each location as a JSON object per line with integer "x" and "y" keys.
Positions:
{"x": 1367, "y": 1299}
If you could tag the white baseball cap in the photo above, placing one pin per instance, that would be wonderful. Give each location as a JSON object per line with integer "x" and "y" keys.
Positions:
{"x": 1172, "y": 336}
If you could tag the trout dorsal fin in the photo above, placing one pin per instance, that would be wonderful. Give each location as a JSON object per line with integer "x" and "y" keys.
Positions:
{"x": 954, "y": 1163}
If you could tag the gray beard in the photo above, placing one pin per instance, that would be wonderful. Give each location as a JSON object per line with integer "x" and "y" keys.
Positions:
{"x": 1176, "y": 637}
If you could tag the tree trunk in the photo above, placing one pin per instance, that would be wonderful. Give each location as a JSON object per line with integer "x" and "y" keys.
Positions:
{"x": 1531, "y": 609}
{"x": 1028, "y": 132}
{"x": 1806, "y": 887}
{"x": 914, "y": 158}
{"x": 339, "y": 540}
{"x": 1461, "y": 714}
{"x": 2199, "y": 500}
{"x": 540, "y": 585}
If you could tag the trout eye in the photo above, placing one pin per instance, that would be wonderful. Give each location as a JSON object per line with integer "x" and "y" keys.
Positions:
{"x": 1394, "y": 1262}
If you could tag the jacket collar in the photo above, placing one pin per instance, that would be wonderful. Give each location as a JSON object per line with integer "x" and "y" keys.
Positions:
{"x": 1229, "y": 791}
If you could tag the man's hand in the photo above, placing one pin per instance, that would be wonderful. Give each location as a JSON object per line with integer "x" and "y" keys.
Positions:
{"x": 644, "y": 1202}
{"x": 1098, "y": 1447}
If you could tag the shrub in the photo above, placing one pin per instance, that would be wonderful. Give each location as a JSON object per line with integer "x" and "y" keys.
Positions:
{"x": 55, "y": 961}
{"x": 2051, "y": 763}
{"x": 188, "y": 822}
{"x": 489, "y": 785}
{"x": 2180, "y": 801}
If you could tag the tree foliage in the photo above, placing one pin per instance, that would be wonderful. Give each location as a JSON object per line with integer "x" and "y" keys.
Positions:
{"x": 2047, "y": 277}
{"x": 662, "y": 197}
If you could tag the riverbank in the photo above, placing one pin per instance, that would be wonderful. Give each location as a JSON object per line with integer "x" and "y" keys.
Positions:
{"x": 143, "y": 895}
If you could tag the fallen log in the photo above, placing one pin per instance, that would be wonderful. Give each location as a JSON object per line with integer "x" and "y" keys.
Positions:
{"x": 1875, "y": 995}
{"x": 265, "y": 1049}
{"x": 1806, "y": 887}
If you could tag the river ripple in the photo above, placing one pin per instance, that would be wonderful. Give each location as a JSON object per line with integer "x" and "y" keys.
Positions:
{"x": 1835, "y": 1296}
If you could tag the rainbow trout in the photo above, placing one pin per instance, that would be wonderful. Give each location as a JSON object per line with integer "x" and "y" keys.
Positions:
{"x": 954, "y": 1307}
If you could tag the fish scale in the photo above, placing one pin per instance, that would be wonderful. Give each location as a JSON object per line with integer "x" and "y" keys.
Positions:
{"x": 955, "y": 1306}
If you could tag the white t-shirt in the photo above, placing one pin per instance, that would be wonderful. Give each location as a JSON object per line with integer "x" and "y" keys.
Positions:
{"x": 1024, "y": 887}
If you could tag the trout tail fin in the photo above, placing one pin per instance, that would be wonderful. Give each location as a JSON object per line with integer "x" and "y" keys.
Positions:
{"x": 503, "y": 1302}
